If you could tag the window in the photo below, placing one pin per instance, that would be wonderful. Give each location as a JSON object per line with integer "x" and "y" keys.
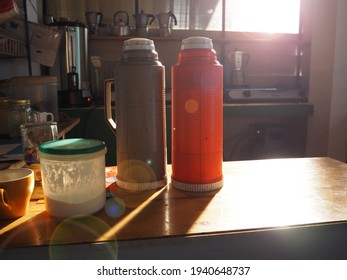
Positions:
{"x": 275, "y": 16}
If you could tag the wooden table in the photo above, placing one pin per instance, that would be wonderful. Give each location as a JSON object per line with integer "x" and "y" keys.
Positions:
{"x": 267, "y": 209}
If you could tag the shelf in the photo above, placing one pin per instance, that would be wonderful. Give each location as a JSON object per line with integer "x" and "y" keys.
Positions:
{"x": 11, "y": 48}
{"x": 216, "y": 36}
{"x": 122, "y": 38}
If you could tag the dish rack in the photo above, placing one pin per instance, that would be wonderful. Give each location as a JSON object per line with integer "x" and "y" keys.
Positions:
{"x": 11, "y": 47}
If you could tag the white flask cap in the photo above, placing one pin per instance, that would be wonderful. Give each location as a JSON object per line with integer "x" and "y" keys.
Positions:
{"x": 197, "y": 43}
{"x": 138, "y": 44}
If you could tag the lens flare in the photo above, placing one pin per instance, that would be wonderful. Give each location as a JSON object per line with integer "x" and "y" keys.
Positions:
{"x": 79, "y": 230}
{"x": 115, "y": 207}
{"x": 191, "y": 106}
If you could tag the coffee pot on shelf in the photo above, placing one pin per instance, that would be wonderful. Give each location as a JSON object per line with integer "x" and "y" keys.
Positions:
{"x": 142, "y": 21}
{"x": 165, "y": 23}
{"x": 238, "y": 61}
{"x": 93, "y": 20}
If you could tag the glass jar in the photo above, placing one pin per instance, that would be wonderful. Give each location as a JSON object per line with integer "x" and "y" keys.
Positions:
{"x": 19, "y": 113}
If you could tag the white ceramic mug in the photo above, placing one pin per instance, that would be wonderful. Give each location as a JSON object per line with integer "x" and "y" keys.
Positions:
{"x": 16, "y": 188}
{"x": 46, "y": 117}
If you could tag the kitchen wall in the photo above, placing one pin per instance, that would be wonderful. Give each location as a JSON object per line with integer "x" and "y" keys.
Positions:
{"x": 327, "y": 127}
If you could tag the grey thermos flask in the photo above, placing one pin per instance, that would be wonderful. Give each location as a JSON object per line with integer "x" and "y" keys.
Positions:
{"x": 140, "y": 117}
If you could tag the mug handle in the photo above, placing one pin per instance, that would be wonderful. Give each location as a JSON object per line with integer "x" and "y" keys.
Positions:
{"x": 51, "y": 117}
{"x": 3, "y": 198}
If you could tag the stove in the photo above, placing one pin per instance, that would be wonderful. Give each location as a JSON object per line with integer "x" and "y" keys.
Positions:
{"x": 270, "y": 94}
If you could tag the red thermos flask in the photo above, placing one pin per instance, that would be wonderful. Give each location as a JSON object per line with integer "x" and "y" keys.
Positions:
{"x": 197, "y": 117}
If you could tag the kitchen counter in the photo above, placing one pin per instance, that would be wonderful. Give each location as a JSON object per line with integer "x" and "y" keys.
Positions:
{"x": 268, "y": 209}
{"x": 234, "y": 109}
{"x": 267, "y": 109}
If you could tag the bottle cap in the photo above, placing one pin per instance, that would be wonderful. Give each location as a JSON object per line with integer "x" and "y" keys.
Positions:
{"x": 197, "y": 43}
{"x": 72, "y": 146}
{"x": 138, "y": 44}
{"x": 19, "y": 102}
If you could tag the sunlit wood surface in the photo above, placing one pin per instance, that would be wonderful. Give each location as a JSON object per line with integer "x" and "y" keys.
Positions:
{"x": 257, "y": 195}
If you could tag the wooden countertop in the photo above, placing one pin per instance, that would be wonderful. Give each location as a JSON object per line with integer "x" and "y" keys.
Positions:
{"x": 257, "y": 195}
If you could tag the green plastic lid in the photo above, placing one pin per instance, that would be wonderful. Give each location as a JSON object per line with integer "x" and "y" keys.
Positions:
{"x": 73, "y": 146}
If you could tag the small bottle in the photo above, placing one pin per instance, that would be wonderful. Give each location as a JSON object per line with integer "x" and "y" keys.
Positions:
{"x": 197, "y": 117}
{"x": 19, "y": 113}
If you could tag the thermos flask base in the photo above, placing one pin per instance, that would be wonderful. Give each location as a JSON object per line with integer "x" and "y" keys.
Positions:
{"x": 201, "y": 187}
{"x": 142, "y": 186}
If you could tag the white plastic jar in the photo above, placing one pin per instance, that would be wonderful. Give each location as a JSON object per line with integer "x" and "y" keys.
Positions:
{"x": 73, "y": 176}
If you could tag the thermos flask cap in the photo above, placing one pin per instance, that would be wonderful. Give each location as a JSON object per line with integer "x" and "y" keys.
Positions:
{"x": 138, "y": 44}
{"x": 197, "y": 43}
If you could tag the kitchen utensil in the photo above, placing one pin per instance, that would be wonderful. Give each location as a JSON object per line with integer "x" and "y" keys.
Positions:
{"x": 140, "y": 125}
{"x": 72, "y": 67}
{"x": 16, "y": 188}
{"x": 20, "y": 113}
{"x": 33, "y": 135}
{"x": 93, "y": 20}
{"x": 120, "y": 26}
{"x": 73, "y": 176}
{"x": 197, "y": 117}
{"x": 142, "y": 21}
{"x": 238, "y": 61}
{"x": 165, "y": 23}
{"x": 46, "y": 116}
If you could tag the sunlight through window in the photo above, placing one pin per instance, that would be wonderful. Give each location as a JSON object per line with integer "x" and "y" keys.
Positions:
{"x": 274, "y": 16}
{"x": 270, "y": 16}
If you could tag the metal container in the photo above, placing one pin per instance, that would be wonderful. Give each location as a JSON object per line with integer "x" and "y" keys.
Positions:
{"x": 121, "y": 27}
{"x": 140, "y": 119}
{"x": 73, "y": 58}
{"x": 197, "y": 117}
